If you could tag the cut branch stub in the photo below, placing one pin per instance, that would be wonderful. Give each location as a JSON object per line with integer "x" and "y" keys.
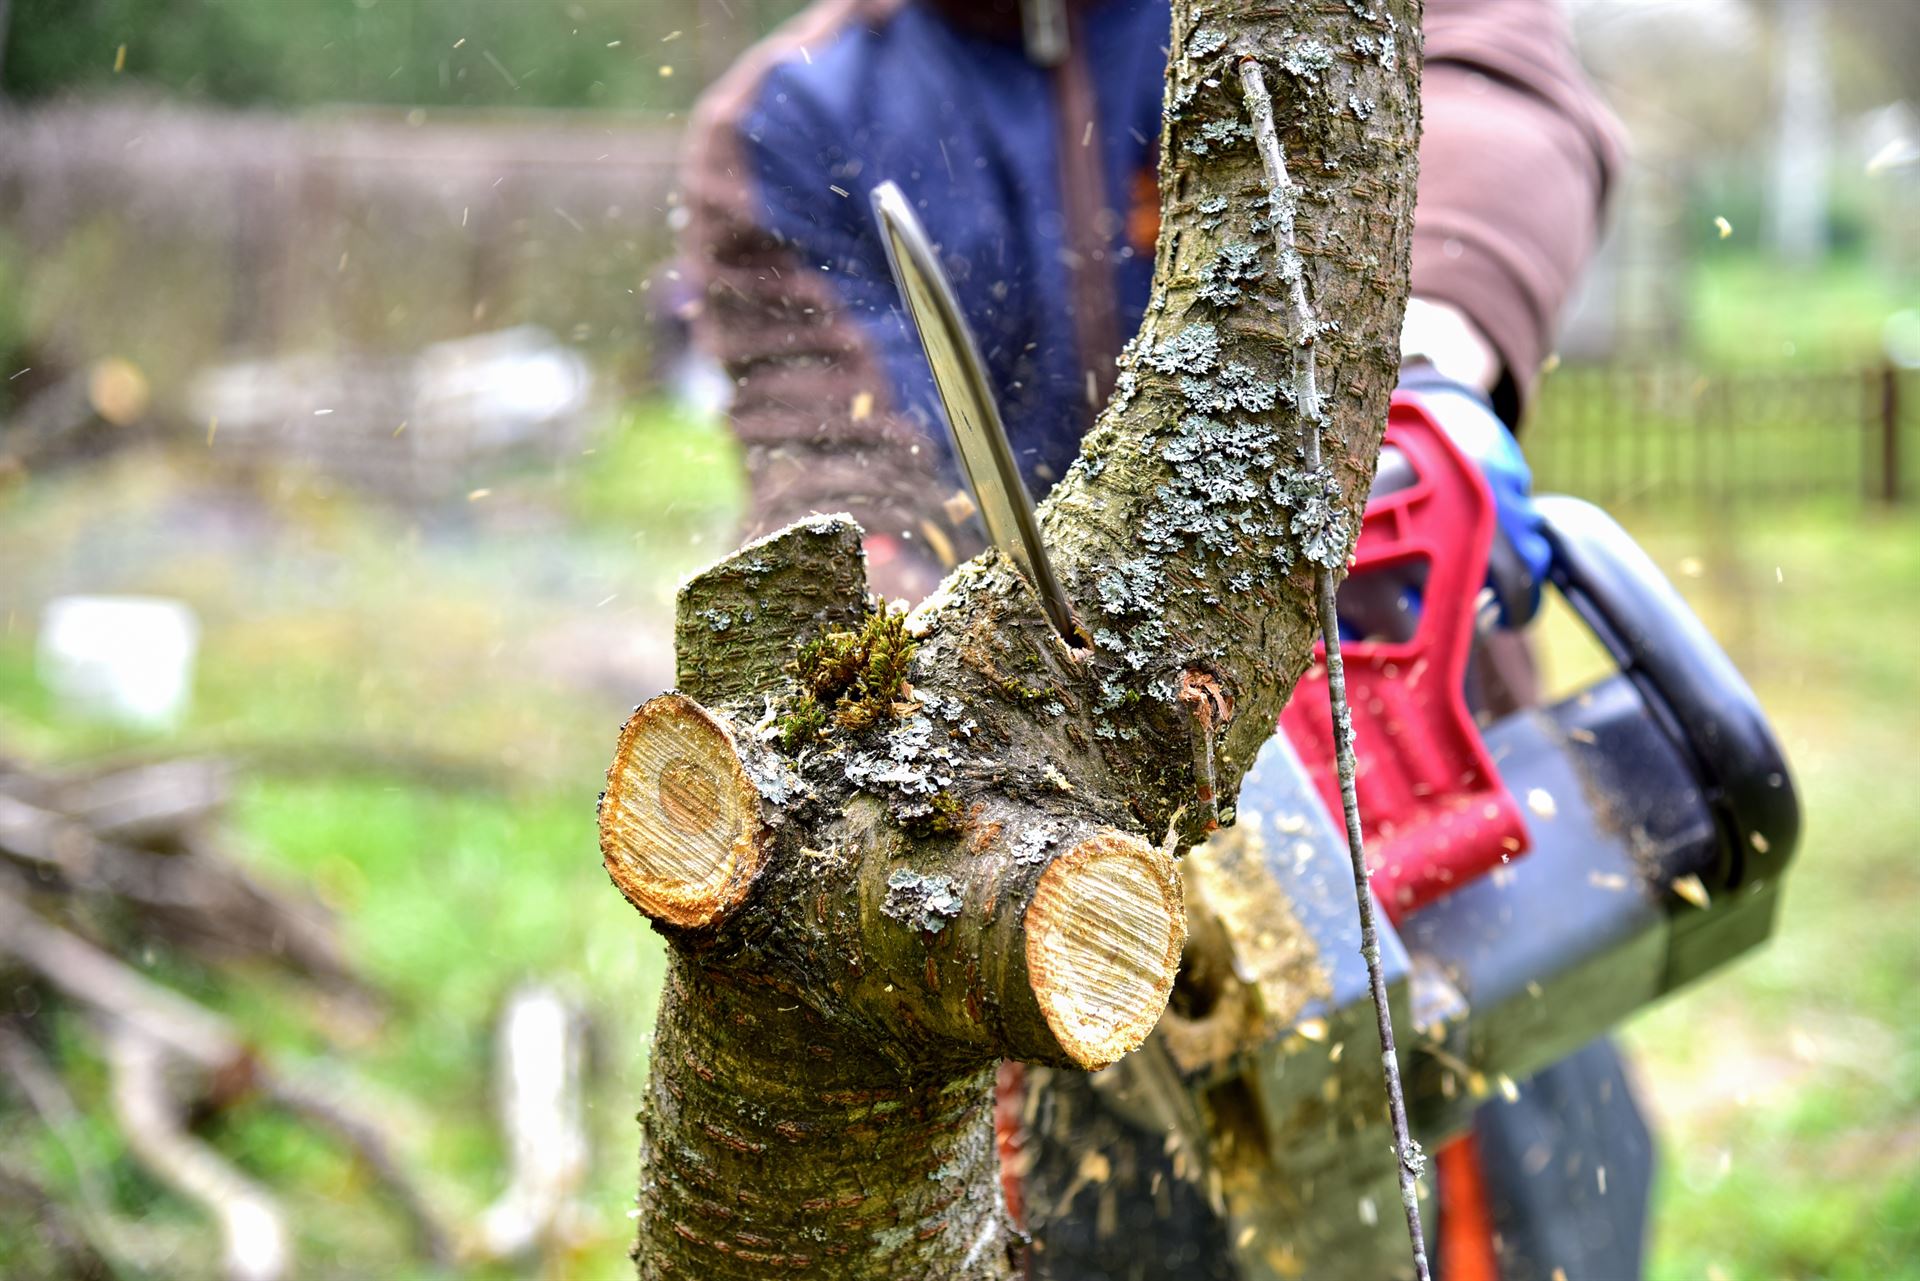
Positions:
{"x": 681, "y": 829}
{"x": 741, "y": 620}
{"x": 1104, "y": 935}
{"x": 983, "y": 949}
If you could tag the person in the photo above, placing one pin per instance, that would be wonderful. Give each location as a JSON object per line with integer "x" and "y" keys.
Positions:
{"x": 1026, "y": 137}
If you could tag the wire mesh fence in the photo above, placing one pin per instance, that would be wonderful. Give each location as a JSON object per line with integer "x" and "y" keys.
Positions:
{"x": 1671, "y": 435}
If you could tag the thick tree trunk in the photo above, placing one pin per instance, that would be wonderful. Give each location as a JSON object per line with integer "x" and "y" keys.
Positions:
{"x": 887, "y": 853}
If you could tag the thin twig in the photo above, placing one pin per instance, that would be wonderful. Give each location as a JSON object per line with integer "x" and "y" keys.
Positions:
{"x": 1282, "y": 199}
{"x": 1411, "y": 1159}
{"x": 48, "y": 1098}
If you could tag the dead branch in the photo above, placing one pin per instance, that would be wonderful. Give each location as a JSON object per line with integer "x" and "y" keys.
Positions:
{"x": 36, "y": 1081}
{"x": 182, "y": 890}
{"x": 88, "y": 975}
{"x": 198, "y": 1036}
{"x": 77, "y": 1252}
{"x": 252, "y": 1226}
{"x": 330, "y": 1109}
{"x": 149, "y": 803}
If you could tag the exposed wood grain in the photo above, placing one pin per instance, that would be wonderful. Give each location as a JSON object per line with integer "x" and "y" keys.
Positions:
{"x": 1104, "y": 934}
{"x": 680, "y": 829}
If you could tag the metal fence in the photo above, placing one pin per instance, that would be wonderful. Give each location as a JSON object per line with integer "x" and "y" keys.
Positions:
{"x": 1671, "y": 435}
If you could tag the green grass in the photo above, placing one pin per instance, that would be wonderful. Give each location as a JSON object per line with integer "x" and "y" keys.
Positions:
{"x": 1777, "y": 396}
{"x": 1750, "y": 311}
{"x": 1789, "y": 1088}
{"x": 425, "y": 766}
{"x": 449, "y": 900}
{"x": 658, "y": 470}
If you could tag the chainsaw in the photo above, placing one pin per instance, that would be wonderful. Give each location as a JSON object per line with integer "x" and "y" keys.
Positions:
{"x": 1544, "y": 874}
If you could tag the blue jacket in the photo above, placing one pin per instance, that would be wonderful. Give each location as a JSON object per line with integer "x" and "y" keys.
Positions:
{"x": 1049, "y": 251}
{"x": 1037, "y": 184}
{"x": 984, "y": 171}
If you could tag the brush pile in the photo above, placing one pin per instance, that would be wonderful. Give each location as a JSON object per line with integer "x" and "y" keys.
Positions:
{"x": 108, "y": 875}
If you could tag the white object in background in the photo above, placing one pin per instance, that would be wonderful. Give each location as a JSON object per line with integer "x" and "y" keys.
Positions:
{"x": 121, "y": 658}
{"x": 1900, "y": 335}
{"x": 540, "y": 1050}
{"x": 498, "y": 390}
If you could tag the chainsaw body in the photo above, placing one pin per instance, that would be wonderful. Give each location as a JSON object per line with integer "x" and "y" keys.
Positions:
{"x": 1542, "y": 877}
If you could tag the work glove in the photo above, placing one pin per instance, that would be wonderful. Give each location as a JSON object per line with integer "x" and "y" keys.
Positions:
{"x": 1520, "y": 556}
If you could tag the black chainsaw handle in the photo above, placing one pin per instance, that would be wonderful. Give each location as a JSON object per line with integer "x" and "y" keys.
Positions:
{"x": 1687, "y": 680}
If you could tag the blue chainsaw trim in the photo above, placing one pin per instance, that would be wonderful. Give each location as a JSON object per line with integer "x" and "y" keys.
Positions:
{"x": 1470, "y": 422}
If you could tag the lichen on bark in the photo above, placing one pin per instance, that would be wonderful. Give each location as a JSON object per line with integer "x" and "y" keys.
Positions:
{"x": 1202, "y": 459}
{"x": 865, "y": 913}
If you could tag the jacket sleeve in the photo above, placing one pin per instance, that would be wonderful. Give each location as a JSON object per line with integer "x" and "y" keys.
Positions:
{"x": 1517, "y": 156}
{"x": 796, "y": 303}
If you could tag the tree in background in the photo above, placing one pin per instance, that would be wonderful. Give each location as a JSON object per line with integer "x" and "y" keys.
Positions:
{"x": 474, "y": 53}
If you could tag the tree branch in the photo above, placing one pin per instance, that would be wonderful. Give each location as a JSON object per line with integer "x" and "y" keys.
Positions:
{"x": 252, "y": 1226}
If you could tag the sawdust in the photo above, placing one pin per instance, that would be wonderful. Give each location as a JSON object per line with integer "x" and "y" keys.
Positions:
{"x": 1251, "y": 968}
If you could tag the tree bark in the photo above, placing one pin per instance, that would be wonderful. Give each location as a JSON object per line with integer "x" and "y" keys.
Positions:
{"x": 888, "y": 852}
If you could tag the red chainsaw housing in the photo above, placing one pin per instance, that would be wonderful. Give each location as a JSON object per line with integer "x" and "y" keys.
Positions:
{"x": 1434, "y": 810}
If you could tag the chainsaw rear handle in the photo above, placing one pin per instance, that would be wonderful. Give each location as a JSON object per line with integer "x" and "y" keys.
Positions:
{"x": 1688, "y": 681}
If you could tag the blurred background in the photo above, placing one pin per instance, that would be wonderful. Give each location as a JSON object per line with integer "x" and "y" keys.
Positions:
{"x": 350, "y": 453}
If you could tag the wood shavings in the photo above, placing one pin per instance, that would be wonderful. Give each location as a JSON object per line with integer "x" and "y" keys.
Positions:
{"x": 1691, "y": 889}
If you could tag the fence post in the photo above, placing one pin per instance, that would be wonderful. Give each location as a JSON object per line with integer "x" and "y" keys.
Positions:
{"x": 1889, "y": 488}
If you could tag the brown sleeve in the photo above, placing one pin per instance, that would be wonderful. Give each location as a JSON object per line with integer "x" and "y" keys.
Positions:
{"x": 810, "y": 400}
{"x": 1517, "y": 154}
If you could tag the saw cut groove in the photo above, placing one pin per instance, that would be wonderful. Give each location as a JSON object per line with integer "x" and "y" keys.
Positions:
{"x": 1104, "y": 935}
{"x": 689, "y": 796}
{"x": 680, "y": 829}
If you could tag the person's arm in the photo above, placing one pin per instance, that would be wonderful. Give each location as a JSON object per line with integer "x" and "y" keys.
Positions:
{"x": 1517, "y": 156}
{"x": 796, "y": 304}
